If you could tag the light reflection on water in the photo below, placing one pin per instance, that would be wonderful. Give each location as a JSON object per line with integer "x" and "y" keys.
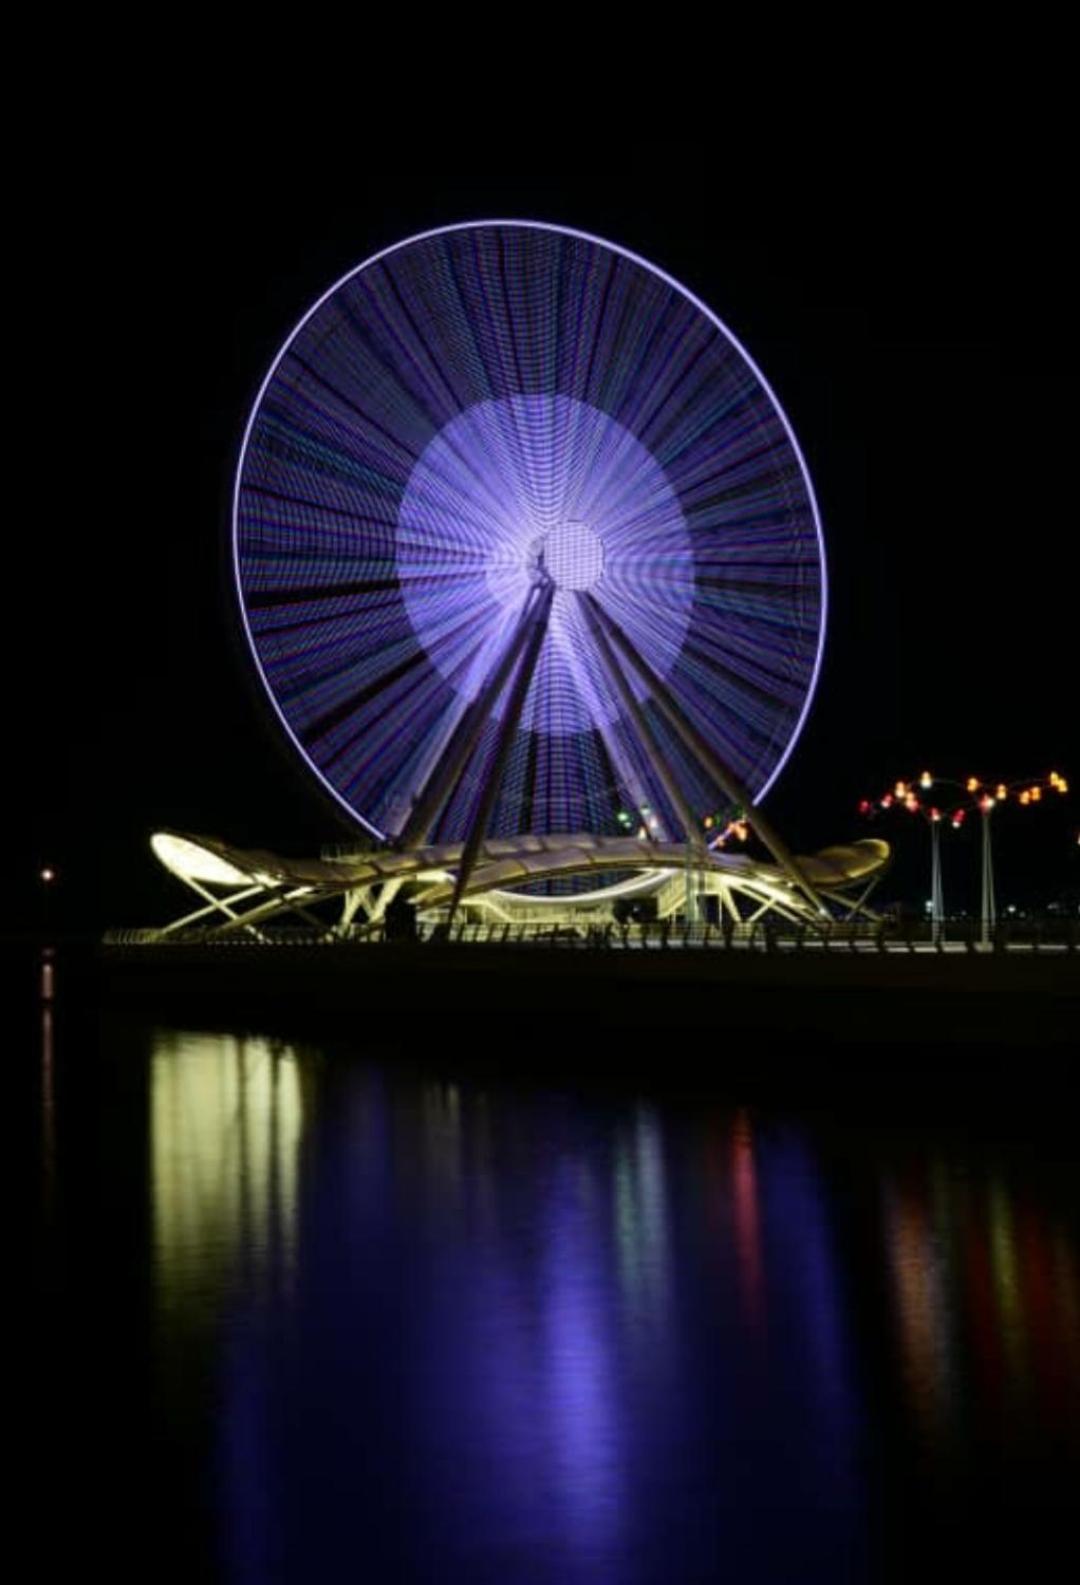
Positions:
{"x": 226, "y": 1116}
{"x": 986, "y": 1309}
{"x": 485, "y": 1298}
{"x": 439, "y": 1331}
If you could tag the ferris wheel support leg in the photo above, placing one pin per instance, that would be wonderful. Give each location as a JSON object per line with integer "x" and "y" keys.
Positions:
{"x": 859, "y": 905}
{"x": 725, "y": 779}
{"x": 537, "y": 628}
{"x": 768, "y": 905}
{"x": 359, "y": 897}
{"x": 732, "y": 906}
{"x": 632, "y": 705}
{"x": 377, "y": 912}
{"x": 463, "y": 740}
{"x": 278, "y": 901}
{"x": 220, "y": 905}
{"x": 216, "y": 905}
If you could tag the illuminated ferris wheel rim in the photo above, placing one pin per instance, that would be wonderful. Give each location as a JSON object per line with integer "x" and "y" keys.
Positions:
{"x": 653, "y": 270}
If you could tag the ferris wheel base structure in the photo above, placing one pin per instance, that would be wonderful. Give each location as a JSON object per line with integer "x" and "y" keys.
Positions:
{"x": 251, "y": 893}
{"x": 524, "y": 549}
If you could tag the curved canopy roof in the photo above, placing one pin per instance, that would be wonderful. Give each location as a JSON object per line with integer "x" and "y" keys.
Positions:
{"x": 503, "y": 862}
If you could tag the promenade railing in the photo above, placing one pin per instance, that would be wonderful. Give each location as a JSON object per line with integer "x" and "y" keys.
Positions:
{"x": 1036, "y": 935}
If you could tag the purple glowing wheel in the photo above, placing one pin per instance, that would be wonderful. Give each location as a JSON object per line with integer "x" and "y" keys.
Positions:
{"x": 511, "y": 506}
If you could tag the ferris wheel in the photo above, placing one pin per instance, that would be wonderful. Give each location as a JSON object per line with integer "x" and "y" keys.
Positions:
{"x": 523, "y": 541}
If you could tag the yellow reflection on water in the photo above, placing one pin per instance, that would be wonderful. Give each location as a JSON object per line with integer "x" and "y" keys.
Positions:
{"x": 226, "y": 1120}
{"x": 1005, "y": 1267}
{"x": 986, "y": 1314}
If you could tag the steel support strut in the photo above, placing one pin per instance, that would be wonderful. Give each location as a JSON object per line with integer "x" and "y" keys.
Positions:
{"x": 277, "y": 901}
{"x": 702, "y": 751}
{"x": 463, "y": 739}
{"x": 632, "y": 705}
{"x": 537, "y": 620}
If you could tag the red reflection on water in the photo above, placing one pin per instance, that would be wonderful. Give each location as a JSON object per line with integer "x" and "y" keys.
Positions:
{"x": 1067, "y": 1284}
{"x": 987, "y": 1319}
{"x": 920, "y": 1308}
{"x": 1044, "y": 1318}
{"x": 984, "y": 1340}
{"x": 48, "y": 1081}
{"x": 747, "y": 1208}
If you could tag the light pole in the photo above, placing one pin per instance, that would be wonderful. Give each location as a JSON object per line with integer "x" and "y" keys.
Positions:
{"x": 904, "y": 795}
{"x": 937, "y": 896}
{"x": 989, "y": 911}
{"x": 47, "y": 877}
{"x": 1028, "y": 791}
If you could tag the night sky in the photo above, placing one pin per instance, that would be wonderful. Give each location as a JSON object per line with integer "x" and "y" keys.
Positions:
{"x": 914, "y": 326}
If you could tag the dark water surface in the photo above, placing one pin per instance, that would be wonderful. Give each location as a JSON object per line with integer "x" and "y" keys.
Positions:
{"x": 345, "y": 1310}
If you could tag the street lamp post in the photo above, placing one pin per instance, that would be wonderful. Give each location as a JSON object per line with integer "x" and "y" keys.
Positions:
{"x": 989, "y": 911}
{"x": 905, "y": 796}
{"x": 1029, "y": 790}
{"x": 47, "y": 877}
{"x": 937, "y": 895}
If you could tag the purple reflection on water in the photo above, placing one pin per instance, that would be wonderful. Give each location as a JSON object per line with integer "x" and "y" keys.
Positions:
{"x": 578, "y": 1387}
{"x": 814, "y": 1360}
{"x": 516, "y": 1351}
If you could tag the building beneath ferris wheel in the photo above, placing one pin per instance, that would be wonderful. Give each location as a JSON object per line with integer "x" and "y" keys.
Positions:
{"x": 522, "y": 884}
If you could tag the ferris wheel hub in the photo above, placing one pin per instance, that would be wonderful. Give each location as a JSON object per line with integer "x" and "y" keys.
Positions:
{"x": 572, "y": 555}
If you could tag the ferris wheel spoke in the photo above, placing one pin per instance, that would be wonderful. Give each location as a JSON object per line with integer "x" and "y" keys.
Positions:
{"x": 480, "y": 501}
{"x": 304, "y": 594}
{"x": 673, "y": 368}
{"x": 395, "y": 446}
{"x": 428, "y": 367}
{"x": 323, "y": 508}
